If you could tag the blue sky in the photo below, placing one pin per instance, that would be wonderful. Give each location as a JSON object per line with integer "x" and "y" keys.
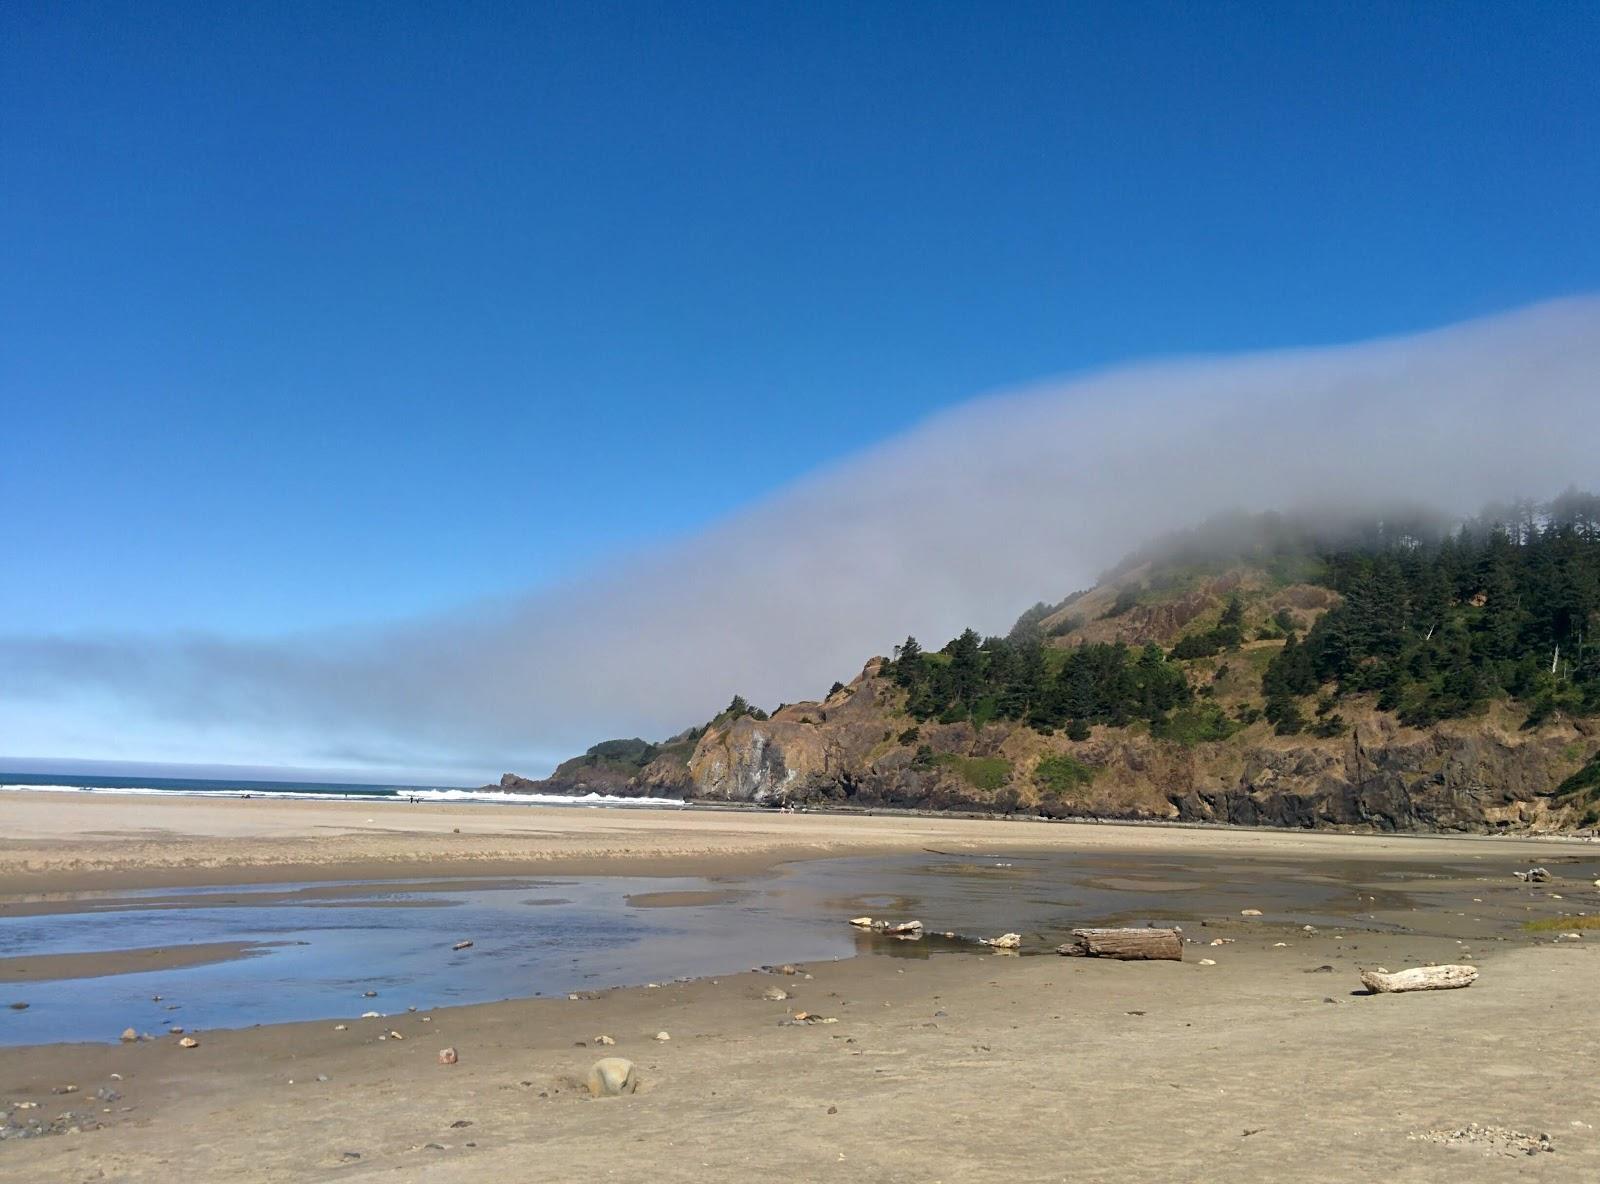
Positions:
{"x": 313, "y": 315}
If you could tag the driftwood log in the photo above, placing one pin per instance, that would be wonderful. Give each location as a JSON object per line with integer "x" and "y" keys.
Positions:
{"x": 1129, "y": 945}
{"x": 1420, "y": 978}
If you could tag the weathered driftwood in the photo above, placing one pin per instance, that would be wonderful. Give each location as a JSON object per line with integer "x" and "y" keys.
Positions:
{"x": 1129, "y": 945}
{"x": 1420, "y": 978}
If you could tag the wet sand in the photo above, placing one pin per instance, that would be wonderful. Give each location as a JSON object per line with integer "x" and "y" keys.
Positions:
{"x": 40, "y": 967}
{"x": 1264, "y": 1067}
{"x": 54, "y": 842}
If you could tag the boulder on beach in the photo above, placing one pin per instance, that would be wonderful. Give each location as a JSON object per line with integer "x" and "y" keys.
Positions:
{"x": 612, "y": 1077}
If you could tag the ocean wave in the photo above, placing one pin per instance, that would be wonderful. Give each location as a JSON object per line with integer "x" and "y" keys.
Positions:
{"x": 362, "y": 793}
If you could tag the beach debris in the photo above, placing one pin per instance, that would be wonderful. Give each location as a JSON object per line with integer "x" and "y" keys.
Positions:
{"x": 65, "y": 1089}
{"x": 861, "y": 922}
{"x": 393, "y": 1035}
{"x": 611, "y": 1077}
{"x": 1308, "y": 928}
{"x": 462, "y": 945}
{"x": 1493, "y": 1140}
{"x": 341, "y": 1027}
{"x": 1208, "y": 962}
{"x": 788, "y": 969}
{"x": 447, "y": 1056}
{"x": 1572, "y": 937}
{"x": 18, "y": 1006}
{"x": 188, "y": 1042}
{"x": 775, "y": 994}
{"x": 604, "y": 1040}
{"x": 807, "y": 1017}
{"x": 663, "y": 1036}
{"x": 1420, "y": 978}
{"x": 129, "y": 1035}
{"x": 1221, "y": 941}
{"x": 1278, "y": 945}
{"x": 369, "y": 994}
{"x": 1249, "y": 912}
{"x": 175, "y": 1030}
{"x": 1534, "y": 875}
{"x": 1127, "y": 945}
{"x": 1006, "y": 941}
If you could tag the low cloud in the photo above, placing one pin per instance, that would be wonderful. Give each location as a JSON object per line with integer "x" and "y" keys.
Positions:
{"x": 966, "y": 519}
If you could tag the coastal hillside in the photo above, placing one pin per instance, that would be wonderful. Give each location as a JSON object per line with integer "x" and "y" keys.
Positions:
{"x": 1397, "y": 672}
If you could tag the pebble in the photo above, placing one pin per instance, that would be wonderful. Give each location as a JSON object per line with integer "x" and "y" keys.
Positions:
{"x": 1207, "y": 962}
{"x": 188, "y": 1042}
{"x": 341, "y": 1027}
{"x": 1249, "y": 912}
{"x": 447, "y": 1056}
{"x": 775, "y": 994}
{"x": 663, "y": 1036}
{"x": 604, "y": 1040}
{"x": 129, "y": 1035}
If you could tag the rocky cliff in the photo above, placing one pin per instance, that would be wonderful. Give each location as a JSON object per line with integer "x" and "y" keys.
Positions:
{"x": 860, "y": 747}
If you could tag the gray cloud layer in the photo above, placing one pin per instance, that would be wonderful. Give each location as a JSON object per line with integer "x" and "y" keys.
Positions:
{"x": 965, "y": 520}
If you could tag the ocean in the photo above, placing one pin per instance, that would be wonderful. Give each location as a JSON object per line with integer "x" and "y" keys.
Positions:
{"x": 99, "y": 783}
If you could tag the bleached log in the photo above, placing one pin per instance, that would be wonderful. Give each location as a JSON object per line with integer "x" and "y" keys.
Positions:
{"x": 1128, "y": 945}
{"x": 1420, "y": 978}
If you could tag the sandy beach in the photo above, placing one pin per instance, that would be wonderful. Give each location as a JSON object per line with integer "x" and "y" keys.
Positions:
{"x": 1270, "y": 1065}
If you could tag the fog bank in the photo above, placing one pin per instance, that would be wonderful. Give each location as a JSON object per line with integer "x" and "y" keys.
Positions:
{"x": 965, "y": 520}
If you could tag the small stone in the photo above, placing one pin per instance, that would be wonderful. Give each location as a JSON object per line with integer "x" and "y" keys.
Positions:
{"x": 175, "y": 1031}
{"x": 341, "y": 1027}
{"x": 604, "y": 1040}
{"x": 866, "y": 922}
{"x": 1006, "y": 941}
{"x": 369, "y": 994}
{"x": 19, "y": 1006}
{"x": 462, "y": 945}
{"x": 1207, "y": 962}
{"x": 833, "y": 1109}
{"x": 787, "y": 969}
{"x": 663, "y": 1036}
{"x": 775, "y": 994}
{"x": 447, "y": 1056}
{"x": 322, "y": 1077}
{"x": 460, "y": 1124}
{"x": 1249, "y": 912}
{"x": 612, "y": 1077}
{"x": 188, "y": 1042}
{"x": 1278, "y": 945}
{"x": 393, "y": 1035}
{"x": 129, "y": 1035}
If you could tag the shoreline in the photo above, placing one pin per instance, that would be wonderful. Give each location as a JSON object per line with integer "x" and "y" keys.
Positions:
{"x": 938, "y": 1063}
{"x": 105, "y": 843}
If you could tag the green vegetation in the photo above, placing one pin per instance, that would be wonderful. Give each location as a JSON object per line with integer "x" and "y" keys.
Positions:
{"x": 1227, "y": 635}
{"x": 1561, "y": 924}
{"x": 1585, "y": 782}
{"x": 978, "y": 680}
{"x": 1062, "y": 773}
{"x": 1506, "y": 606}
{"x": 980, "y": 772}
{"x": 1195, "y": 725}
{"x": 739, "y": 707}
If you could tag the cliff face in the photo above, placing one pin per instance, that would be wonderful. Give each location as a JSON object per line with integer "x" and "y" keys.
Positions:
{"x": 855, "y": 748}
{"x": 862, "y": 747}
